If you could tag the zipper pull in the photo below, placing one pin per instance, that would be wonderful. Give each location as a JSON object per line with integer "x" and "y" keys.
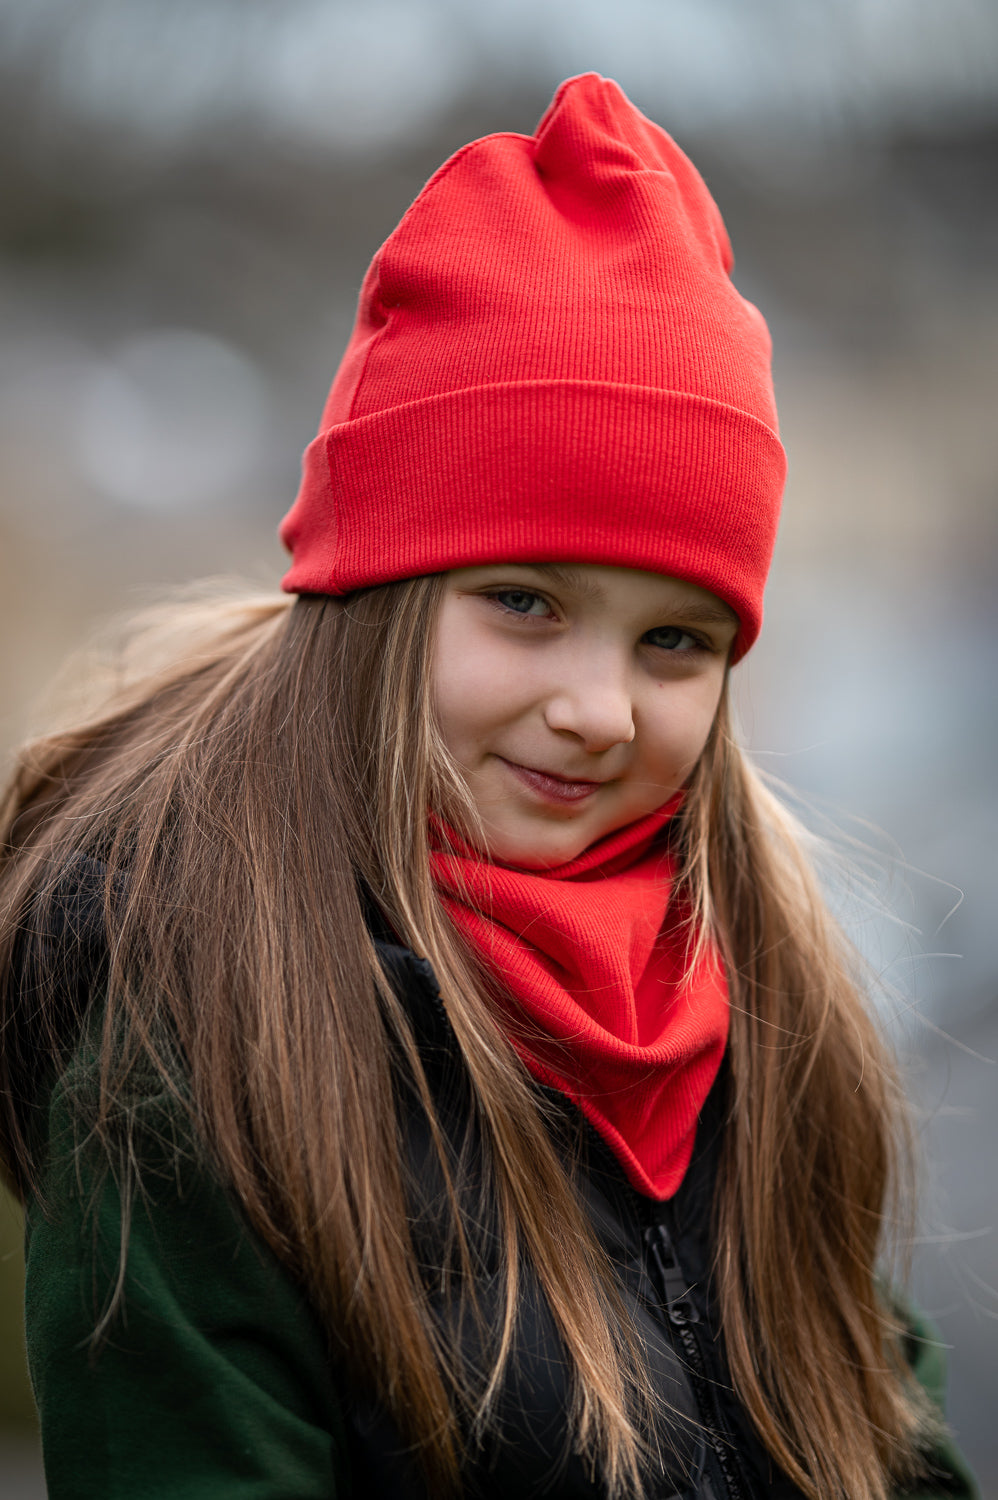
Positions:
{"x": 680, "y": 1307}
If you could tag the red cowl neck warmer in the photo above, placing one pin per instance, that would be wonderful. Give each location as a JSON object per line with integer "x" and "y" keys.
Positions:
{"x": 593, "y": 954}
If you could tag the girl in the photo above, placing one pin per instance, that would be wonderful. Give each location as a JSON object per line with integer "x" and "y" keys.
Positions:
{"x": 427, "y": 1061}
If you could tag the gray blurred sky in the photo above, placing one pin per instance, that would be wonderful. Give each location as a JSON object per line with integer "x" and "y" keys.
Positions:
{"x": 360, "y": 77}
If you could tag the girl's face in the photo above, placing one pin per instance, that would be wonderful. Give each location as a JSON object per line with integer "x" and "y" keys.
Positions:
{"x": 574, "y": 698}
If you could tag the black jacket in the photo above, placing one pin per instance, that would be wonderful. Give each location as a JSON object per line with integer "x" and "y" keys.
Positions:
{"x": 662, "y": 1253}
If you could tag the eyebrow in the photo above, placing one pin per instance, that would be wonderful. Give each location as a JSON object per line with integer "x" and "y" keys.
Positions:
{"x": 702, "y": 612}
{"x": 696, "y": 611}
{"x": 569, "y": 578}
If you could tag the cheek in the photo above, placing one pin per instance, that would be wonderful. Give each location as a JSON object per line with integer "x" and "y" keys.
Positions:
{"x": 477, "y": 664}
{"x": 684, "y": 714}
{"x": 461, "y": 720}
{"x": 453, "y": 706}
{"x": 470, "y": 682}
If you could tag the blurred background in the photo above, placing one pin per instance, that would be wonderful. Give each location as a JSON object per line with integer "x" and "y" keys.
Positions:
{"x": 191, "y": 195}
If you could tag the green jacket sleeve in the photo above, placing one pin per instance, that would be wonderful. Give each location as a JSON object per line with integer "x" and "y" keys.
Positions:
{"x": 212, "y": 1380}
{"x": 948, "y": 1477}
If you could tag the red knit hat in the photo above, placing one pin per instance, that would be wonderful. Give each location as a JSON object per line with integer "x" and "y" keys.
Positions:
{"x": 550, "y": 363}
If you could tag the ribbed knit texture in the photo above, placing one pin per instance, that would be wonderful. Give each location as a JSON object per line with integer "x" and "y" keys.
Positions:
{"x": 593, "y": 955}
{"x": 551, "y": 363}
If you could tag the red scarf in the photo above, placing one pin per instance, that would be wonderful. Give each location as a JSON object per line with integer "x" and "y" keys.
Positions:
{"x": 594, "y": 953}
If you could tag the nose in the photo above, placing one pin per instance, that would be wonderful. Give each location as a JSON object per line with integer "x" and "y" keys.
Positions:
{"x": 592, "y": 700}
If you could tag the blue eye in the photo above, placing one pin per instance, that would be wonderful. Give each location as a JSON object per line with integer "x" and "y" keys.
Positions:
{"x": 671, "y": 638}
{"x": 521, "y": 601}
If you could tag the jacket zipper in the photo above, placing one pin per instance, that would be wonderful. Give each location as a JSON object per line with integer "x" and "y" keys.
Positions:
{"x": 683, "y": 1315}
{"x": 680, "y": 1308}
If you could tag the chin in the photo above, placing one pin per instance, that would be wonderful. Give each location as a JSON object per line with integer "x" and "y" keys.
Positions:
{"x": 537, "y": 853}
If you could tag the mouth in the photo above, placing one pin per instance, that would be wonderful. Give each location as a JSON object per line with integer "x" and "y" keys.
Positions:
{"x": 550, "y": 786}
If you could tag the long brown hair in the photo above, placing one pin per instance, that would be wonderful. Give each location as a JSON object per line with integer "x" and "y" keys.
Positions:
{"x": 243, "y": 796}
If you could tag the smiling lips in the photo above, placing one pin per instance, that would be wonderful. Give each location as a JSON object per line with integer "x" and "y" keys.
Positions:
{"x": 551, "y": 787}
